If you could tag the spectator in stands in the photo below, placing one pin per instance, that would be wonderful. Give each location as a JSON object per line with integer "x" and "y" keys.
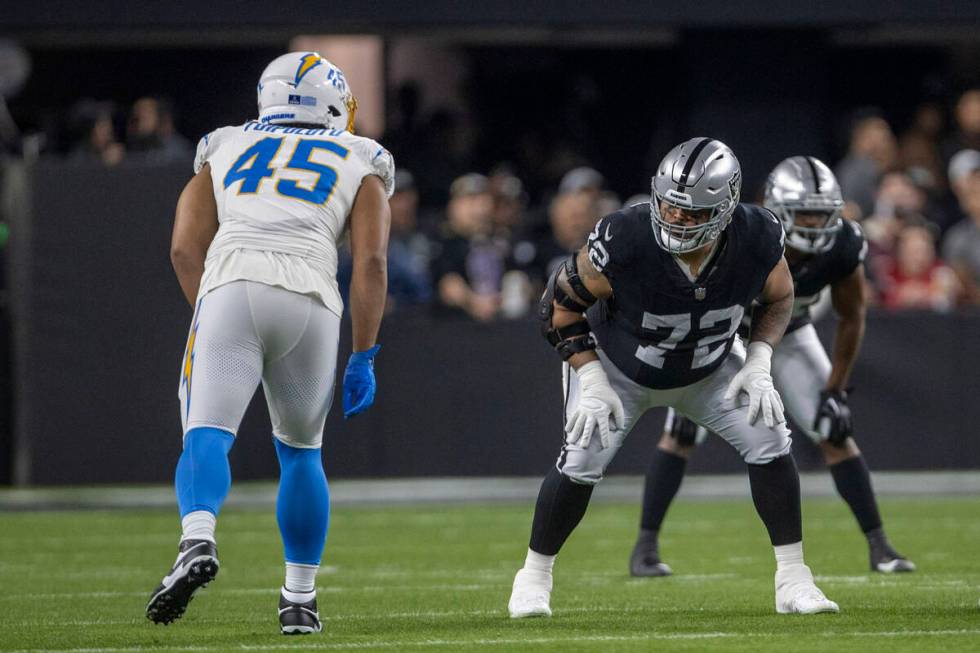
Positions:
{"x": 468, "y": 263}
{"x": 915, "y": 277}
{"x": 572, "y": 216}
{"x": 151, "y": 133}
{"x": 919, "y": 147}
{"x": 582, "y": 179}
{"x": 409, "y": 250}
{"x": 897, "y": 201}
{"x": 872, "y": 152}
{"x": 509, "y": 203}
{"x": 607, "y": 203}
{"x": 967, "y": 117}
{"x": 94, "y": 134}
{"x": 961, "y": 246}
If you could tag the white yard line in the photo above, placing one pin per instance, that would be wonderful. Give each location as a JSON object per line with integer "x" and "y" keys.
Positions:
{"x": 464, "y": 643}
{"x": 416, "y": 614}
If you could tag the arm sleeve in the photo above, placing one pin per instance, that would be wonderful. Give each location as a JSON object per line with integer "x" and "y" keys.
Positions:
{"x": 611, "y": 245}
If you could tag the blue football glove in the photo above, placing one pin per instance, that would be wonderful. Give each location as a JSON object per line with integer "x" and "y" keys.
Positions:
{"x": 359, "y": 384}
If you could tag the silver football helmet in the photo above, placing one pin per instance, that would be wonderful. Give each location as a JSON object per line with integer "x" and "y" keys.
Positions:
{"x": 701, "y": 174}
{"x": 804, "y": 184}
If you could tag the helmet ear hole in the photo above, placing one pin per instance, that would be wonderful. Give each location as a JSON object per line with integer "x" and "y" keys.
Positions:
{"x": 334, "y": 111}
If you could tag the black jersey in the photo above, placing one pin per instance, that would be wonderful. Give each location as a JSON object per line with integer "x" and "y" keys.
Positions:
{"x": 813, "y": 273}
{"x": 661, "y": 329}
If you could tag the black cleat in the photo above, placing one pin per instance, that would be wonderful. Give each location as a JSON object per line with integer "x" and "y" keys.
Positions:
{"x": 889, "y": 561}
{"x": 883, "y": 557}
{"x": 645, "y": 560}
{"x": 298, "y": 618}
{"x": 196, "y": 566}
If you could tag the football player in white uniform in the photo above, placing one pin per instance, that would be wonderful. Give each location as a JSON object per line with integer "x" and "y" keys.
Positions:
{"x": 823, "y": 251}
{"x": 255, "y": 250}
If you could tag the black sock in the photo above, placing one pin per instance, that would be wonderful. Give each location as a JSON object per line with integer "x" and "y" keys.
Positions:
{"x": 853, "y": 482}
{"x": 776, "y": 495}
{"x": 663, "y": 480}
{"x": 560, "y": 507}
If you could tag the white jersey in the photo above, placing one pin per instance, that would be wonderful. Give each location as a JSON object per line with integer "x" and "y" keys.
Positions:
{"x": 284, "y": 195}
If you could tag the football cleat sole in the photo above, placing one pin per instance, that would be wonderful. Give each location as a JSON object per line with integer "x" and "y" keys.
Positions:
{"x": 298, "y": 618}
{"x": 168, "y": 603}
{"x": 300, "y": 630}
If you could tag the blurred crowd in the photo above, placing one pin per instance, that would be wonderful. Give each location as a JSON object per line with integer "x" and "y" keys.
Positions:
{"x": 487, "y": 252}
{"x": 103, "y": 132}
{"x": 481, "y": 245}
{"x": 917, "y": 196}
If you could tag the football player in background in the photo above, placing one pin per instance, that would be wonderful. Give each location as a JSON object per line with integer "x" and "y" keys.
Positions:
{"x": 823, "y": 250}
{"x": 645, "y": 315}
{"x": 255, "y": 250}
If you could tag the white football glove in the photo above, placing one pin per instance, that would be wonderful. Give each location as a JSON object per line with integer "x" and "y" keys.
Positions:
{"x": 755, "y": 380}
{"x": 597, "y": 400}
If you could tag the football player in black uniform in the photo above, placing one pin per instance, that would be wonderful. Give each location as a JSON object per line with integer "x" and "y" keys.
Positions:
{"x": 645, "y": 315}
{"x": 822, "y": 250}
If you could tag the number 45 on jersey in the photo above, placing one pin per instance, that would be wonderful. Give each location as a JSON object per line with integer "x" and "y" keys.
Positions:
{"x": 254, "y": 165}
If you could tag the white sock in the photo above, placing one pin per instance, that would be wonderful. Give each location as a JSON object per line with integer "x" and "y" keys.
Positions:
{"x": 198, "y": 525}
{"x": 788, "y": 555}
{"x": 539, "y": 562}
{"x": 300, "y": 585}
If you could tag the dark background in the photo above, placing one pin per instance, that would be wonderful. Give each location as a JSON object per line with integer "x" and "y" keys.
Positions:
{"x": 103, "y": 325}
{"x": 99, "y": 324}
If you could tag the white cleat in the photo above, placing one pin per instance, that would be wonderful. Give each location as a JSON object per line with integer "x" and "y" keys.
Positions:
{"x": 531, "y": 596}
{"x": 796, "y": 593}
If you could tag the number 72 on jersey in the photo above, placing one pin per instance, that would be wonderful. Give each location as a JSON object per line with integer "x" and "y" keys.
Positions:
{"x": 680, "y": 326}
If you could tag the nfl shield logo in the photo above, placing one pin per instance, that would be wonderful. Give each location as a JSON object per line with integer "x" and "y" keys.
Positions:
{"x": 699, "y": 293}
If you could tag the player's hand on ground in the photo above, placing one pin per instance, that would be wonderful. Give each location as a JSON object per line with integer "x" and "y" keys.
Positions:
{"x": 599, "y": 408}
{"x": 755, "y": 380}
{"x": 359, "y": 383}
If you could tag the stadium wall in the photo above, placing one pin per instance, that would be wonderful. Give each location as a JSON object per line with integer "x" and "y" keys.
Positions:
{"x": 99, "y": 326}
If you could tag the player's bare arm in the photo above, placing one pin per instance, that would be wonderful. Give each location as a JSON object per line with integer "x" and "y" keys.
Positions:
{"x": 195, "y": 224}
{"x": 771, "y": 317}
{"x": 769, "y": 321}
{"x": 847, "y": 296}
{"x": 370, "y": 222}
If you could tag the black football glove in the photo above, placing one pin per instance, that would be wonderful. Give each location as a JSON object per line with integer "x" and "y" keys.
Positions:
{"x": 833, "y": 419}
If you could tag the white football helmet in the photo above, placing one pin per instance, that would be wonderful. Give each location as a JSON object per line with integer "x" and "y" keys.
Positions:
{"x": 804, "y": 184}
{"x": 306, "y": 88}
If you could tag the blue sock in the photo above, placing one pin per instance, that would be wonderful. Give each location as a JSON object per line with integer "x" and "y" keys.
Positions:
{"x": 203, "y": 474}
{"x": 303, "y": 504}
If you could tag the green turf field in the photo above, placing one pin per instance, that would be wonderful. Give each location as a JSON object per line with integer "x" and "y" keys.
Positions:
{"x": 438, "y": 578}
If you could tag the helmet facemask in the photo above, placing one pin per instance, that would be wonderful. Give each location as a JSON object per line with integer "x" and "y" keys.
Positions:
{"x": 815, "y": 239}
{"x": 812, "y": 240}
{"x": 678, "y": 239}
